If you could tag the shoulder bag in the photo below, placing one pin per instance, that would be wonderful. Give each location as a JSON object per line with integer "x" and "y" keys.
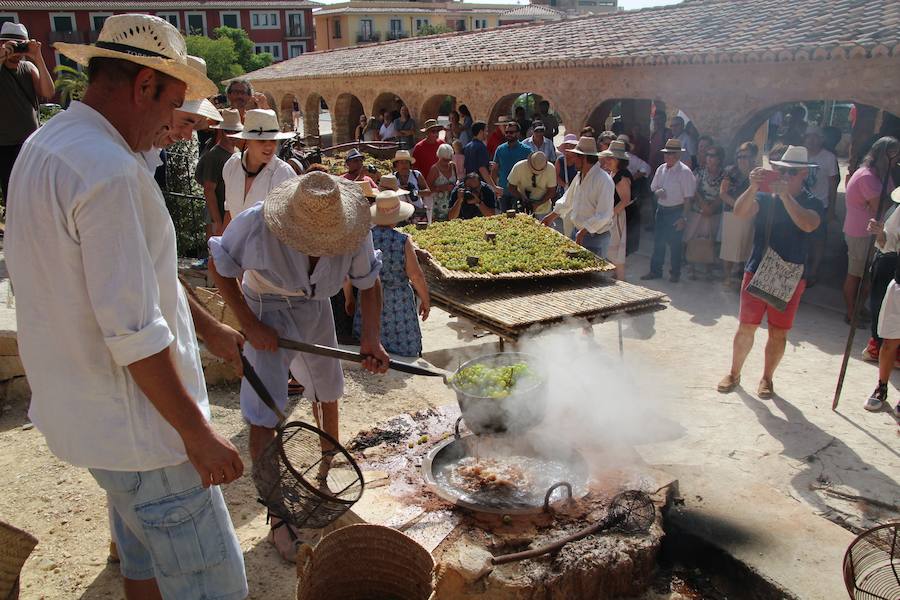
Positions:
{"x": 776, "y": 279}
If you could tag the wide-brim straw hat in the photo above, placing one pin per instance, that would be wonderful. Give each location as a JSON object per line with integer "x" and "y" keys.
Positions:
{"x": 586, "y": 146}
{"x": 390, "y": 182}
{"x": 617, "y": 149}
{"x": 261, "y": 124}
{"x": 202, "y": 107}
{"x": 795, "y": 157}
{"x": 672, "y": 146}
{"x": 537, "y": 161}
{"x": 318, "y": 214}
{"x": 15, "y": 548}
{"x": 145, "y": 40}
{"x": 366, "y": 188}
{"x": 231, "y": 120}
{"x": 389, "y": 209}
{"x": 431, "y": 124}
{"x": 403, "y": 155}
{"x": 13, "y": 31}
{"x": 364, "y": 561}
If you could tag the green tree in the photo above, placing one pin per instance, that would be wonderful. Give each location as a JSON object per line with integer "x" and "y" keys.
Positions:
{"x": 243, "y": 47}
{"x": 70, "y": 83}
{"x": 434, "y": 30}
{"x": 219, "y": 54}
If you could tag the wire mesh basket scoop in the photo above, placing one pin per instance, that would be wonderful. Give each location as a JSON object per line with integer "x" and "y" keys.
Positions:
{"x": 872, "y": 564}
{"x": 304, "y": 476}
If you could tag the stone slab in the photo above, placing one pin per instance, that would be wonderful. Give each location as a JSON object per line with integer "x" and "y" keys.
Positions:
{"x": 775, "y": 536}
{"x": 10, "y": 367}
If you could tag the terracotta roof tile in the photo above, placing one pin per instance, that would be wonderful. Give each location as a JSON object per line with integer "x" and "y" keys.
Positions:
{"x": 147, "y": 5}
{"x": 719, "y": 30}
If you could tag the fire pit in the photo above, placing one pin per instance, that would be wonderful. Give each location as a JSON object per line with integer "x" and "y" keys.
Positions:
{"x": 468, "y": 527}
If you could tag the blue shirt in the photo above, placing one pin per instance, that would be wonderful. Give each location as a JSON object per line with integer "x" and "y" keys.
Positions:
{"x": 789, "y": 241}
{"x": 476, "y": 156}
{"x": 506, "y": 158}
{"x": 247, "y": 244}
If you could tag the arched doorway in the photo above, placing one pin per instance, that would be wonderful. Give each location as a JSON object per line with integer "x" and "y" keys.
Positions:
{"x": 387, "y": 101}
{"x": 347, "y": 111}
{"x": 623, "y": 115}
{"x": 437, "y": 106}
{"x": 312, "y": 107}
{"x": 289, "y": 116}
{"x": 527, "y": 104}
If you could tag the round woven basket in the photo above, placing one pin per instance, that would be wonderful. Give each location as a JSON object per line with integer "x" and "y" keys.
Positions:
{"x": 365, "y": 562}
{"x": 15, "y": 547}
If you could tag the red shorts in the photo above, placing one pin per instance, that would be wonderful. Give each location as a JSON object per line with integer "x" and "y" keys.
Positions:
{"x": 753, "y": 309}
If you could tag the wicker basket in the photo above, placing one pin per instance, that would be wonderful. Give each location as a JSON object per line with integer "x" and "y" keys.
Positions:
{"x": 364, "y": 562}
{"x": 216, "y": 306}
{"x": 15, "y": 547}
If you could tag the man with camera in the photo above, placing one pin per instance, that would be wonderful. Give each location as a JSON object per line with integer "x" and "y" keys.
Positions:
{"x": 533, "y": 184}
{"x": 472, "y": 198}
{"x": 25, "y": 80}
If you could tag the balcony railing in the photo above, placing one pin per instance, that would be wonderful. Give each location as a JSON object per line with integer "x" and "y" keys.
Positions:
{"x": 295, "y": 31}
{"x": 397, "y": 35}
{"x": 71, "y": 37}
{"x": 364, "y": 38}
{"x": 93, "y": 36}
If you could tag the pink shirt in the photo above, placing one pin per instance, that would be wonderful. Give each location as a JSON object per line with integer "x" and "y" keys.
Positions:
{"x": 460, "y": 161}
{"x": 864, "y": 184}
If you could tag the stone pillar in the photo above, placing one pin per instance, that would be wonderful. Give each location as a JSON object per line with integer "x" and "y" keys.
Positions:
{"x": 863, "y": 129}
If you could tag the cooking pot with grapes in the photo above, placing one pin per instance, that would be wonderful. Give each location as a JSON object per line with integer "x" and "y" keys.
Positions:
{"x": 504, "y": 392}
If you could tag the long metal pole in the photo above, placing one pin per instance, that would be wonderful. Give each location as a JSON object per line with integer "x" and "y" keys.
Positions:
{"x": 882, "y": 207}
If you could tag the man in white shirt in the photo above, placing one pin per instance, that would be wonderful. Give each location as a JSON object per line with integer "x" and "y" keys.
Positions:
{"x": 674, "y": 184}
{"x": 588, "y": 201}
{"x": 105, "y": 329}
{"x": 823, "y": 184}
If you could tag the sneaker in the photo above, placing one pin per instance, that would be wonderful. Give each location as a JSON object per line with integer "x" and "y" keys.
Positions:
{"x": 675, "y": 278}
{"x": 765, "y": 389}
{"x": 870, "y": 354}
{"x": 876, "y": 401}
{"x": 650, "y": 276}
{"x": 728, "y": 383}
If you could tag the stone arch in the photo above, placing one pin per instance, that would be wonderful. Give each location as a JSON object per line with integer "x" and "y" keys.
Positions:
{"x": 631, "y": 111}
{"x": 311, "y": 109}
{"x": 271, "y": 98}
{"x": 389, "y": 101}
{"x": 438, "y": 105}
{"x": 505, "y": 106}
{"x": 287, "y": 116}
{"x": 347, "y": 110}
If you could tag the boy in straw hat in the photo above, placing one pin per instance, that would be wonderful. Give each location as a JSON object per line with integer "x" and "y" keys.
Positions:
{"x": 107, "y": 336}
{"x": 293, "y": 251}
{"x": 210, "y": 166}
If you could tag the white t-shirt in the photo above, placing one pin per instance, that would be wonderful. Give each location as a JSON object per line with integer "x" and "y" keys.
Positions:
{"x": 91, "y": 248}
{"x": 819, "y": 180}
{"x": 678, "y": 183}
{"x": 387, "y": 131}
{"x": 273, "y": 174}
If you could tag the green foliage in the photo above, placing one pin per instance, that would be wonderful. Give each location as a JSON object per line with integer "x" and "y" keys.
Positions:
{"x": 219, "y": 54}
{"x": 48, "y": 111}
{"x": 70, "y": 83}
{"x": 243, "y": 47}
{"x": 184, "y": 198}
{"x": 434, "y": 30}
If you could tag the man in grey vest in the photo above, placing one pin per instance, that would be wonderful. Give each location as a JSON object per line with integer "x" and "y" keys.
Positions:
{"x": 24, "y": 80}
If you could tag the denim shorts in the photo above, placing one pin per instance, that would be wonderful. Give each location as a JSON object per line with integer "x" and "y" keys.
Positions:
{"x": 168, "y": 527}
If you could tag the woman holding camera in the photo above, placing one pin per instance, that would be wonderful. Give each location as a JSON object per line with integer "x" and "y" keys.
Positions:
{"x": 472, "y": 198}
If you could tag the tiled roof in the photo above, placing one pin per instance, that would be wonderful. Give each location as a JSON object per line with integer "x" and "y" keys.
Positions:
{"x": 533, "y": 10}
{"x": 698, "y": 31}
{"x": 376, "y": 10}
{"x": 152, "y": 5}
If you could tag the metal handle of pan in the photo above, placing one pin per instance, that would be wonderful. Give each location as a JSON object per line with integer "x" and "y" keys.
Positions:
{"x": 357, "y": 357}
{"x": 260, "y": 388}
{"x": 553, "y": 488}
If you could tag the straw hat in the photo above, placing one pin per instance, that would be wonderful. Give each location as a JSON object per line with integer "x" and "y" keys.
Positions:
{"x": 672, "y": 146}
{"x": 389, "y": 210}
{"x": 366, "y": 188}
{"x": 895, "y": 195}
{"x": 145, "y": 40}
{"x": 617, "y": 149}
{"x": 795, "y": 157}
{"x": 403, "y": 155}
{"x": 13, "y": 31}
{"x": 390, "y": 182}
{"x": 318, "y": 214}
{"x": 353, "y": 155}
{"x": 586, "y": 146}
{"x": 364, "y": 561}
{"x": 15, "y": 547}
{"x": 538, "y": 126}
{"x": 231, "y": 120}
{"x": 431, "y": 124}
{"x": 570, "y": 141}
{"x": 202, "y": 107}
{"x": 261, "y": 124}
{"x": 537, "y": 161}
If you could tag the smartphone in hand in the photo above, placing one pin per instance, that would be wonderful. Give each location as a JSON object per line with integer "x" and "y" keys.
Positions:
{"x": 769, "y": 177}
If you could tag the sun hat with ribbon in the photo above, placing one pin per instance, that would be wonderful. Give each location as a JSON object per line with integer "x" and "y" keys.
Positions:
{"x": 389, "y": 209}
{"x": 261, "y": 124}
{"x": 587, "y": 146}
{"x": 795, "y": 157}
{"x": 431, "y": 124}
{"x": 672, "y": 146}
{"x": 537, "y": 161}
{"x": 318, "y": 214}
{"x": 144, "y": 40}
{"x": 617, "y": 149}
{"x": 202, "y": 107}
{"x": 403, "y": 155}
{"x": 231, "y": 120}
{"x": 538, "y": 126}
{"x": 13, "y": 31}
{"x": 570, "y": 141}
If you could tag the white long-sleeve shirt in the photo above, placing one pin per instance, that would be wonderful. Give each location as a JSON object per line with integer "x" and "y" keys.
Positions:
{"x": 678, "y": 182}
{"x": 588, "y": 201}
{"x": 91, "y": 252}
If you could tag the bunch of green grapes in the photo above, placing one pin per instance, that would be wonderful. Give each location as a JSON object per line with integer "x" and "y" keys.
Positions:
{"x": 522, "y": 245}
{"x": 492, "y": 382}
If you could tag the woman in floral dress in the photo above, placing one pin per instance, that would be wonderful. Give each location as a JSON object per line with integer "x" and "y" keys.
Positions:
{"x": 706, "y": 206}
{"x": 441, "y": 180}
{"x": 400, "y": 275}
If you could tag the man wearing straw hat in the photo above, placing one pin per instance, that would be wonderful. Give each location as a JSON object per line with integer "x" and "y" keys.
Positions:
{"x": 209, "y": 169}
{"x": 294, "y": 250}
{"x": 106, "y": 332}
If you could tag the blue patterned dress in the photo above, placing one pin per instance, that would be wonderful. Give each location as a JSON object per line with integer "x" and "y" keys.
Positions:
{"x": 400, "y": 333}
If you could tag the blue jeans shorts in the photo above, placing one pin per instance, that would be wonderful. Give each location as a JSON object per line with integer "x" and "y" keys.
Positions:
{"x": 168, "y": 527}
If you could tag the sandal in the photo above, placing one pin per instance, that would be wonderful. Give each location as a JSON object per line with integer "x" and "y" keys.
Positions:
{"x": 288, "y": 553}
